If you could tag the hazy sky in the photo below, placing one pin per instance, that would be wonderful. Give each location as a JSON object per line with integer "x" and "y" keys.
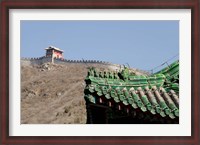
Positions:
{"x": 141, "y": 44}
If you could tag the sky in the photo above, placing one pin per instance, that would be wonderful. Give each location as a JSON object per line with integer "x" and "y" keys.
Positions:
{"x": 140, "y": 44}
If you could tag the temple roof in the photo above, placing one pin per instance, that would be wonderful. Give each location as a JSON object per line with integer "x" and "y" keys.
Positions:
{"x": 157, "y": 93}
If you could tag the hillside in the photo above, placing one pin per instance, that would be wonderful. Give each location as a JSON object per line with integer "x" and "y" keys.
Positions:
{"x": 53, "y": 93}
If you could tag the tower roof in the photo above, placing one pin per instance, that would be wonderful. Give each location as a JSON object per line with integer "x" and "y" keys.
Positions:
{"x": 52, "y": 47}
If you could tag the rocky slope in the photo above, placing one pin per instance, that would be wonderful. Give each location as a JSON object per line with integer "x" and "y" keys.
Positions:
{"x": 53, "y": 94}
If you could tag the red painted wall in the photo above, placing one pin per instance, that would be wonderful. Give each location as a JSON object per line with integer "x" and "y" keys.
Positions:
{"x": 57, "y": 54}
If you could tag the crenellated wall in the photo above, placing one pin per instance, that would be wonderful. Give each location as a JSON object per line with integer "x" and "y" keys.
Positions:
{"x": 41, "y": 60}
{"x": 56, "y": 60}
{"x": 35, "y": 61}
{"x": 89, "y": 63}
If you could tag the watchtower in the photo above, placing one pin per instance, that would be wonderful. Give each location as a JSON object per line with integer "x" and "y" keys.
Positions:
{"x": 54, "y": 52}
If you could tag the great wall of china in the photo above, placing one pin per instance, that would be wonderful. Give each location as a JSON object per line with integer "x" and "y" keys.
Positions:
{"x": 55, "y": 55}
{"x": 89, "y": 63}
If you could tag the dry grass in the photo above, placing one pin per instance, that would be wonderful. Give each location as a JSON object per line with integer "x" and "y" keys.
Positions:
{"x": 53, "y": 94}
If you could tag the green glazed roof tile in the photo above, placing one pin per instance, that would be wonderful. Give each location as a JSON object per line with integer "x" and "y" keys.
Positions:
{"x": 157, "y": 94}
{"x": 134, "y": 105}
{"x": 125, "y": 102}
{"x": 171, "y": 115}
{"x": 167, "y": 111}
{"x": 104, "y": 91}
{"x": 144, "y": 109}
{"x": 107, "y": 96}
{"x": 153, "y": 111}
{"x": 91, "y": 98}
{"x": 158, "y": 109}
{"x": 99, "y": 93}
{"x": 113, "y": 94}
{"x": 162, "y": 114}
{"x": 122, "y": 97}
{"x": 149, "y": 107}
{"x": 130, "y": 100}
{"x": 176, "y": 112}
{"x": 139, "y": 103}
{"x": 116, "y": 99}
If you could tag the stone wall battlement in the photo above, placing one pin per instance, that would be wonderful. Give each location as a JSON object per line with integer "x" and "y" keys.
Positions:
{"x": 65, "y": 60}
{"x": 41, "y": 60}
{"x": 80, "y": 61}
{"x": 90, "y": 63}
{"x": 35, "y": 61}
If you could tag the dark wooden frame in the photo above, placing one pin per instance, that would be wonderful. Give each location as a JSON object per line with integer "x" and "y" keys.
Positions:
{"x": 5, "y": 139}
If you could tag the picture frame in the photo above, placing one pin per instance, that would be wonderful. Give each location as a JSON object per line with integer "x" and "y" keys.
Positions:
{"x": 99, "y": 4}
